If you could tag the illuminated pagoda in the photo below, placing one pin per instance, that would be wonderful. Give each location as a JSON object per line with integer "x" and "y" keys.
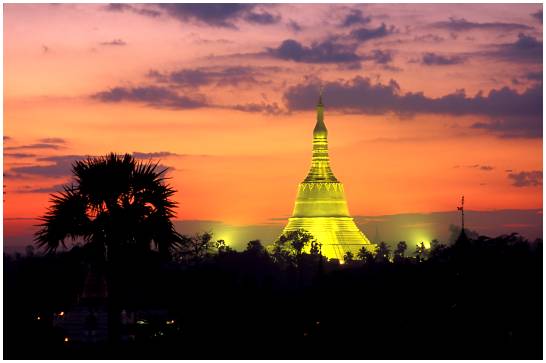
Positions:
{"x": 321, "y": 208}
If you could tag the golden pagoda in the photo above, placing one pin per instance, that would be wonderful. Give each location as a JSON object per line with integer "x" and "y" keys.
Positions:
{"x": 321, "y": 208}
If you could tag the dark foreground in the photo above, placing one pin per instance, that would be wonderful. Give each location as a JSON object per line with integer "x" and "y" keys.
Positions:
{"x": 477, "y": 300}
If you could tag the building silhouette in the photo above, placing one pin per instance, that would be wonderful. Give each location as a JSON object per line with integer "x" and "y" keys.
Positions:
{"x": 321, "y": 207}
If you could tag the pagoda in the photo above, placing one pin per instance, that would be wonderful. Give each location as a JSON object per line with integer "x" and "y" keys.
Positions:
{"x": 321, "y": 208}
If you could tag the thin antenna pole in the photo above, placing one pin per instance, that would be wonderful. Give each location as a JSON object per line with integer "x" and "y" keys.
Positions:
{"x": 461, "y": 208}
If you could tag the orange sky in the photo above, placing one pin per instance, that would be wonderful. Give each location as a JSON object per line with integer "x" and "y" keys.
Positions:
{"x": 241, "y": 144}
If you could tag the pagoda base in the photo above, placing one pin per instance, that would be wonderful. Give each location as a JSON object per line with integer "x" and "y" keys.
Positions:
{"x": 338, "y": 235}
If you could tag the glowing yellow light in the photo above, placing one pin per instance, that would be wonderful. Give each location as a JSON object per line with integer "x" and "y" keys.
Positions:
{"x": 321, "y": 208}
{"x": 38, "y": 318}
{"x": 169, "y": 322}
{"x": 66, "y": 339}
{"x": 61, "y": 313}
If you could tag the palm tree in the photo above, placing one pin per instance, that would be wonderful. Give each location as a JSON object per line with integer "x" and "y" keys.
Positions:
{"x": 120, "y": 209}
{"x": 365, "y": 255}
{"x": 383, "y": 252}
{"x": 115, "y": 204}
{"x": 399, "y": 252}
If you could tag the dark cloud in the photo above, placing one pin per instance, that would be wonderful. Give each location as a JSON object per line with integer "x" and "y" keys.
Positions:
{"x": 133, "y": 8}
{"x": 525, "y": 49}
{"x": 34, "y": 146}
{"x": 365, "y": 34}
{"x": 222, "y": 15}
{"x": 537, "y": 15}
{"x": 462, "y": 24}
{"x": 262, "y": 18}
{"x": 534, "y": 76}
{"x": 153, "y": 155}
{"x": 220, "y": 76}
{"x": 430, "y": 38}
{"x": 58, "y": 166}
{"x": 218, "y": 15}
{"x": 294, "y": 26}
{"x": 355, "y": 16}
{"x": 151, "y": 96}
{"x": 52, "y": 189}
{"x": 61, "y": 166}
{"x": 53, "y": 140}
{"x": 19, "y": 155}
{"x": 526, "y": 178}
{"x": 476, "y": 166}
{"x": 513, "y": 127}
{"x": 520, "y": 112}
{"x": 115, "y": 42}
{"x": 379, "y": 56}
{"x": 328, "y": 51}
{"x": 268, "y": 109}
{"x": 433, "y": 59}
{"x": 7, "y": 138}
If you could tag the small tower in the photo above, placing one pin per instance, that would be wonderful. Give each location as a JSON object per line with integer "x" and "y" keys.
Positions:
{"x": 462, "y": 236}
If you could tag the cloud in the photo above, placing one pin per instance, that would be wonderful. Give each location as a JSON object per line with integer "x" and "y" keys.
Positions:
{"x": 526, "y": 178}
{"x": 223, "y": 15}
{"x": 220, "y": 76}
{"x": 268, "y": 109}
{"x": 462, "y": 24}
{"x": 429, "y": 38}
{"x": 19, "y": 155}
{"x": 59, "y": 166}
{"x": 7, "y": 138}
{"x": 295, "y": 26}
{"x": 534, "y": 76}
{"x": 433, "y": 59}
{"x": 217, "y": 15}
{"x": 34, "y": 146}
{"x": 525, "y": 49}
{"x": 262, "y": 18}
{"x": 520, "y": 114}
{"x": 379, "y": 56}
{"x": 115, "y": 42}
{"x": 355, "y": 16}
{"x": 537, "y": 15}
{"x": 328, "y": 51}
{"x": 152, "y": 96}
{"x": 153, "y": 155}
{"x": 475, "y": 166}
{"x": 365, "y": 34}
{"x": 132, "y": 8}
{"x": 52, "y": 189}
{"x": 53, "y": 140}
{"x": 360, "y": 94}
{"x": 513, "y": 127}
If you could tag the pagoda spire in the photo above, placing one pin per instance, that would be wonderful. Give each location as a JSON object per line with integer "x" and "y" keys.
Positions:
{"x": 320, "y": 165}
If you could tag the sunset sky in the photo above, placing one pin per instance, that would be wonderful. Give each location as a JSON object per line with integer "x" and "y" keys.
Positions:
{"x": 423, "y": 103}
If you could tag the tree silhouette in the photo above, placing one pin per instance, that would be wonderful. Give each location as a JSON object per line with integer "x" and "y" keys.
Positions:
{"x": 365, "y": 255}
{"x": 114, "y": 203}
{"x": 383, "y": 252}
{"x": 420, "y": 252}
{"x": 348, "y": 257}
{"x": 255, "y": 247}
{"x": 400, "y": 251}
{"x": 290, "y": 246}
{"x": 120, "y": 209}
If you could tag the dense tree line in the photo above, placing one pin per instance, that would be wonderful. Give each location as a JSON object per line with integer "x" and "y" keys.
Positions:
{"x": 477, "y": 298}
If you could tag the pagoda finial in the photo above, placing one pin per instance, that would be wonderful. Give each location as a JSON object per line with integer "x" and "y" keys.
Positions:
{"x": 321, "y": 91}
